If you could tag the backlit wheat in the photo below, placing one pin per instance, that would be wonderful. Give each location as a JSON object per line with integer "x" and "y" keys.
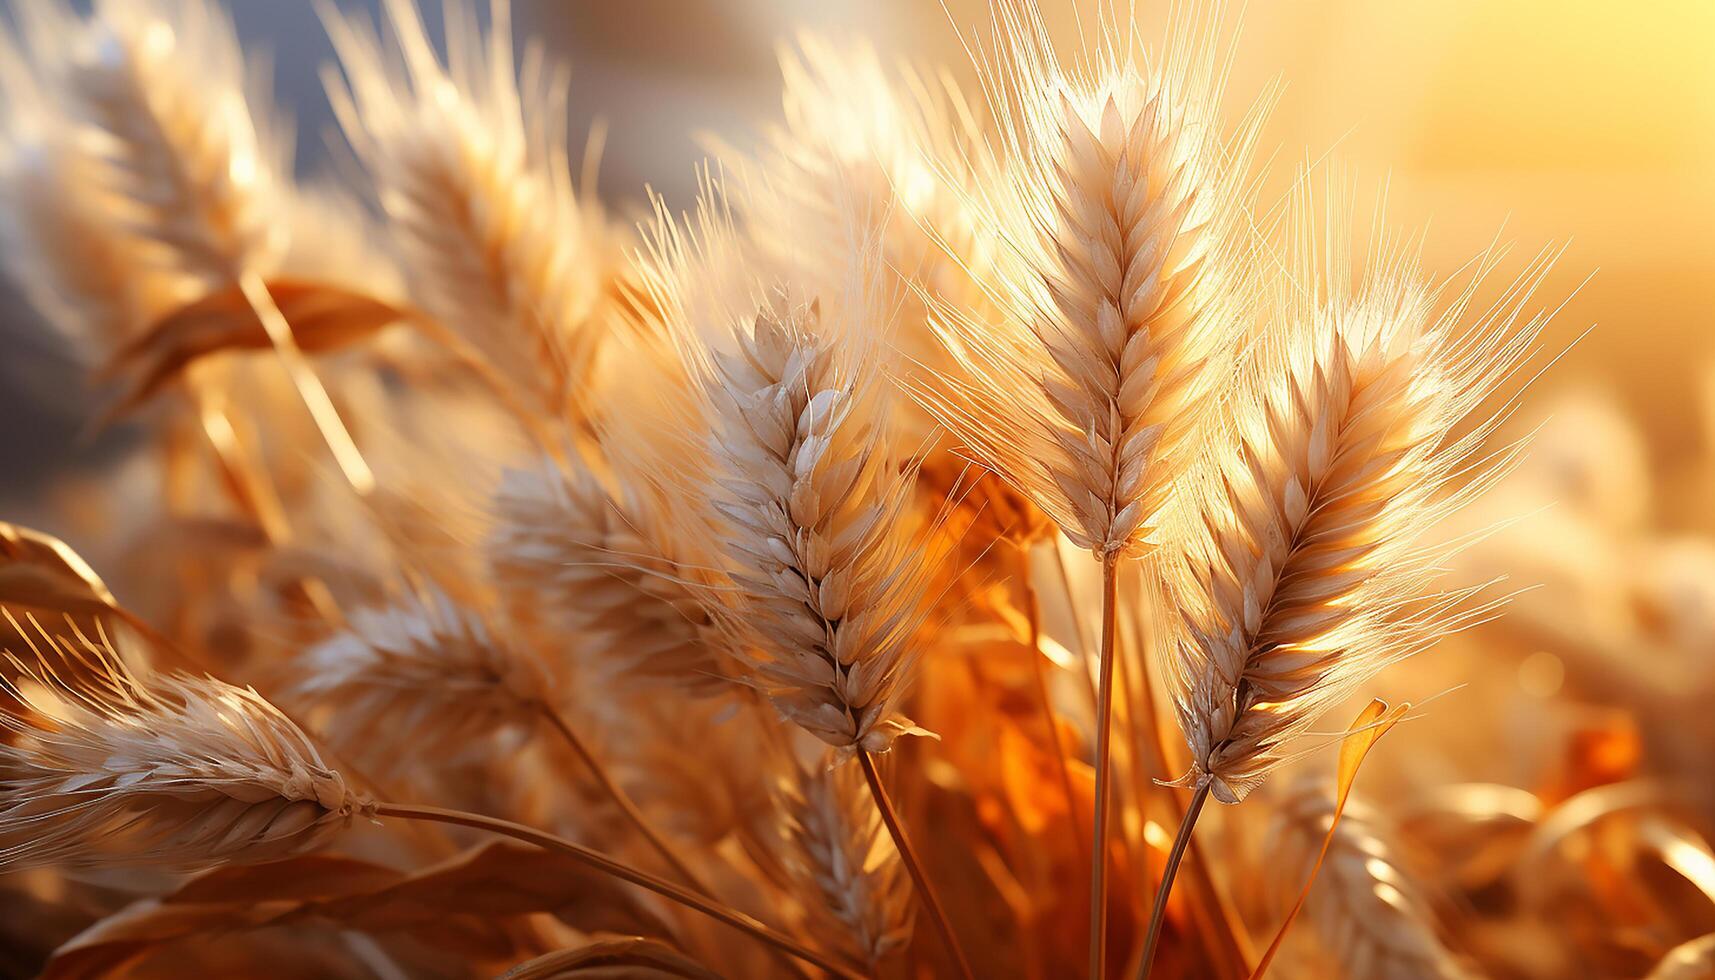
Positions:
{"x": 173, "y": 772}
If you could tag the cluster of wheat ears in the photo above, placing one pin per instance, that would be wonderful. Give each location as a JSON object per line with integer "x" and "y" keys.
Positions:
{"x": 1016, "y": 411}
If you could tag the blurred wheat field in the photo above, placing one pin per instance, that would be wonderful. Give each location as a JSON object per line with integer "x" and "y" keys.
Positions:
{"x": 1003, "y": 488}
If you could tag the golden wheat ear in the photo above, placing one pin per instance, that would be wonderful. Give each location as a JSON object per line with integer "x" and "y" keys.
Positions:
{"x": 1119, "y": 286}
{"x": 790, "y": 473}
{"x": 588, "y": 563}
{"x": 1304, "y": 566}
{"x": 468, "y": 160}
{"x": 837, "y": 854}
{"x": 173, "y": 772}
{"x": 423, "y": 674}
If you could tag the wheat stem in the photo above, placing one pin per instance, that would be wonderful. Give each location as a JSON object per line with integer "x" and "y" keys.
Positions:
{"x": 315, "y": 397}
{"x": 250, "y": 484}
{"x": 623, "y": 801}
{"x": 1104, "y": 747}
{"x": 1033, "y": 611}
{"x": 660, "y": 886}
{"x": 1198, "y": 798}
{"x": 913, "y": 866}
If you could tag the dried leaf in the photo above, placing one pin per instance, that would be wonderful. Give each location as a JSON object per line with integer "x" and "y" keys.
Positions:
{"x": 612, "y": 958}
{"x": 43, "y": 572}
{"x": 499, "y": 879}
{"x": 323, "y": 318}
{"x": 1371, "y": 724}
{"x": 462, "y": 906}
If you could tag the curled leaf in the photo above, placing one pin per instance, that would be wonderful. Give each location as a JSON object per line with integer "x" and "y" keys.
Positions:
{"x": 42, "y": 572}
{"x": 323, "y": 318}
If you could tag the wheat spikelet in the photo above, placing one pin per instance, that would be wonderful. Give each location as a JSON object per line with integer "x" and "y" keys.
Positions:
{"x": 1368, "y": 915}
{"x": 1303, "y": 572}
{"x": 174, "y": 772}
{"x": 824, "y": 842}
{"x": 422, "y": 674}
{"x": 790, "y": 475}
{"x": 566, "y": 549}
{"x": 469, "y": 162}
{"x": 1118, "y": 283}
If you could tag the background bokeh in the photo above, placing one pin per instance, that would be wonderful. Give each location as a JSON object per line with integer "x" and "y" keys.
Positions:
{"x": 1582, "y": 122}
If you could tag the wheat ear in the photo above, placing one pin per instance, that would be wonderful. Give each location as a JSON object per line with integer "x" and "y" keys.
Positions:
{"x": 797, "y": 484}
{"x": 1119, "y": 285}
{"x": 423, "y": 673}
{"x": 837, "y": 850}
{"x": 1303, "y": 570}
{"x": 185, "y": 166}
{"x": 175, "y": 772}
{"x": 184, "y": 773}
{"x": 434, "y": 674}
{"x": 584, "y": 558}
{"x": 77, "y": 271}
{"x": 470, "y": 165}
{"x": 1367, "y": 912}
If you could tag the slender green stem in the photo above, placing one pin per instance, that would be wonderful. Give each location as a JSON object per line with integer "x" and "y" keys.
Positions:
{"x": 660, "y": 886}
{"x": 1180, "y": 842}
{"x": 623, "y": 801}
{"x": 913, "y": 867}
{"x": 1104, "y": 748}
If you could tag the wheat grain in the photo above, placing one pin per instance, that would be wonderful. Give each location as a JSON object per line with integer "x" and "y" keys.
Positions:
{"x": 469, "y": 163}
{"x": 174, "y": 772}
{"x": 1367, "y": 912}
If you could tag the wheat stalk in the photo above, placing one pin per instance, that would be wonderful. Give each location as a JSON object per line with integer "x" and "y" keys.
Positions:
{"x": 469, "y": 162}
{"x": 174, "y": 772}
{"x": 1367, "y": 912}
